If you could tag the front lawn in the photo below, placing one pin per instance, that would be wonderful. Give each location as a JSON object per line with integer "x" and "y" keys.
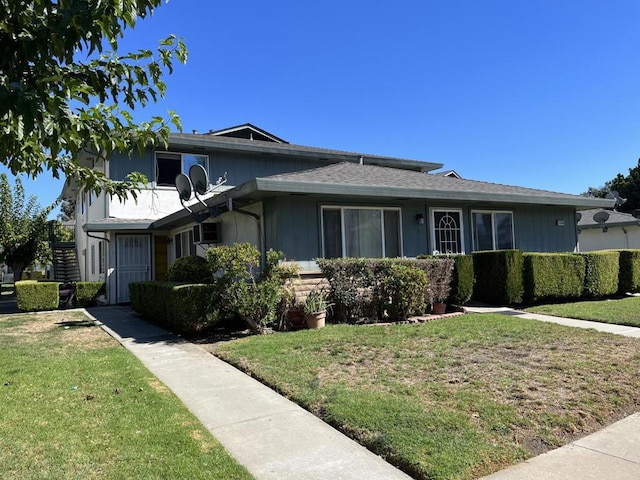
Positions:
{"x": 75, "y": 404}
{"x": 454, "y": 398}
{"x": 625, "y": 311}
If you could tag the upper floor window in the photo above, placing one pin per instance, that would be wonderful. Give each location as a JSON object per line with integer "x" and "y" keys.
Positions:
{"x": 169, "y": 165}
{"x": 446, "y": 231}
{"x": 361, "y": 232}
{"x": 492, "y": 230}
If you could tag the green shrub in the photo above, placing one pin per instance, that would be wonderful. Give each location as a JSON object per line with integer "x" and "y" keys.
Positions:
{"x": 629, "y": 276}
{"x": 357, "y": 290}
{"x": 601, "y": 273}
{"x": 549, "y": 276}
{"x": 240, "y": 288}
{"x": 192, "y": 269}
{"x": 461, "y": 284}
{"x": 398, "y": 290}
{"x": 34, "y": 296}
{"x": 87, "y": 292}
{"x": 498, "y": 277}
{"x": 178, "y": 307}
{"x": 33, "y": 275}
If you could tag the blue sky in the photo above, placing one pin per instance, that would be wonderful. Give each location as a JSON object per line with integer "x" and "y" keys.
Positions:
{"x": 542, "y": 94}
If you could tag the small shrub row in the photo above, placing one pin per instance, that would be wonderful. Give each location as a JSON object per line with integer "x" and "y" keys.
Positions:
{"x": 33, "y": 296}
{"x": 88, "y": 292}
{"x": 178, "y": 307}
{"x": 509, "y": 277}
{"x": 384, "y": 289}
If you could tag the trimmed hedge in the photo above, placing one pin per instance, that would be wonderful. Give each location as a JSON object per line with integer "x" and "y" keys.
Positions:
{"x": 178, "y": 307}
{"x": 191, "y": 269}
{"x": 629, "y": 275}
{"x": 87, "y": 292}
{"x": 359, "y": 285}
{"x": 462, "y": 280}
{"x": 33, "y": 296}
{"x": 601, "y": 273}
{"x": 550, "y": 276}
{"x": 498, "y": 277}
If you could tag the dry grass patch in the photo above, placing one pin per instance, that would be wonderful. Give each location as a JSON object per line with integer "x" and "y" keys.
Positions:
{"x": 455, "y": 398}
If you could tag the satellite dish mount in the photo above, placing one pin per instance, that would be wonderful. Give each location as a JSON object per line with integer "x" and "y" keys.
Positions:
{"x": 197, "y": 183}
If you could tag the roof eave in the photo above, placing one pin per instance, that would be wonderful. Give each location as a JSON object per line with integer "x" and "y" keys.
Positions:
{"x": 279, "y": 186}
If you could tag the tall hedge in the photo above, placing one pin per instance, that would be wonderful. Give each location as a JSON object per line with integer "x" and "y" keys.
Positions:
{"x": 462, "y": 280}
{"x": 498, "y": 277}
{"x": 177, "y": 307}
{"x": 629, "y": 275}
{"x": 33, "y": 296}
{"x": 601, "y": 273}
{"x": 550, "y": 276}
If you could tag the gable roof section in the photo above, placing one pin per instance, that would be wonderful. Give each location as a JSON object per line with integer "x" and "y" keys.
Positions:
{"x": 374, "y": 181}
{"x": 242, "y": 145}
{"x": 616, "y": 219}
{"x": 248, "y": 132}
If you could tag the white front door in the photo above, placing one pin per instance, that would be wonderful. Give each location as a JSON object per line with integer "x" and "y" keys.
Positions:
{"x": 133, "y": 262}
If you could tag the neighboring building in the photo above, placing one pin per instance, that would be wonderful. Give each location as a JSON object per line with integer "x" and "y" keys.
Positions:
{"x": 308, "y": 202}
{"x": 620, "y": 230}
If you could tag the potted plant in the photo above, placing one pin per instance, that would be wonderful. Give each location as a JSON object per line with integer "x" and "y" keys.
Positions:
{"x": 315, "y": 309}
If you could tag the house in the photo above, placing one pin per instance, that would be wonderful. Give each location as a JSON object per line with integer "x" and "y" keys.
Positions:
{"x": 600, "y": 229}
{"x": 308, "y": 202}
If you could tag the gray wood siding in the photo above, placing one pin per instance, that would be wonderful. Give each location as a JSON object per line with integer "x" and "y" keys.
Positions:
{"x": 240, "y": 168}
{"x": 536, "y": 229}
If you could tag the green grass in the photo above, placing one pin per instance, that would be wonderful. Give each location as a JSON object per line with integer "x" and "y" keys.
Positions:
{"x": 76, "y": 405}
{"x": 454, "y": 398}
{"x": 624, "y": 311}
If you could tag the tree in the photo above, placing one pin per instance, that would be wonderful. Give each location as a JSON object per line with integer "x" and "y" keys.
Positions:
{"x": 627, "y": 186}
{"x": 62, "y": 94}
{"x": 23, "y": 226}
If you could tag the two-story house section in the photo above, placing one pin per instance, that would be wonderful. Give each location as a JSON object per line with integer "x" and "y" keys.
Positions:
{"x": 308, "y": 202}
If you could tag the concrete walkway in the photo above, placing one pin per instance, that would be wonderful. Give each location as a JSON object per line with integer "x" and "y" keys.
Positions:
{"x": 271, "y": 436}
{"x": 610, "y": 453}
{"x": 276, "y": 439}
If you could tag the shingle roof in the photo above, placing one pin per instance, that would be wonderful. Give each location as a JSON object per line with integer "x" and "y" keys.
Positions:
{"x": 351, "y": 178}
{"x": 615, "y": 219}
{"x": 178, "y": 140}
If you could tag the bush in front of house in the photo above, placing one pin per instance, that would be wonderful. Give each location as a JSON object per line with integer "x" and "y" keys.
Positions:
{"x": 87, "y": 292}
{"x": 629, "y": 275}
{"x": 398, "y": 288}
{"x": 360, "y": 287}
{"x": 461, "y": 283}
{"x": 601, "y": 273}
{"x": 550, "y": 276}
{"x": 191, "y": 269}
{"x": 498, "y": 277}
{"x": 241, "y": 288}
{"x": 181, "y": 308}
{"x": 33, "y": 296}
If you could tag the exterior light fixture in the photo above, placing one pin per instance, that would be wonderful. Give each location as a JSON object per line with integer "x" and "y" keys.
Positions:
{"x": 420, "y": 218}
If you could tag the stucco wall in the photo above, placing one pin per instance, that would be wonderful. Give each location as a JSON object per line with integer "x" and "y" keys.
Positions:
{"x": 616, "y": 237}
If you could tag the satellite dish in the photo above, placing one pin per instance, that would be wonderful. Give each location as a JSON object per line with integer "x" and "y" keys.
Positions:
{"x": 601, "y": 216}
{"x": 183, "y": 186}
{"x": 614, "y": 195}
{"x": 199, "y": 179}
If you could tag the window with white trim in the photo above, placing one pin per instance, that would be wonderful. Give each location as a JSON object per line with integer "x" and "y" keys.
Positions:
{"x": 446, "y": 231}
{"x": 183, "y": 244}
{"x": 492, "y": 230}
{"x": 361, "y": 232}
{"x": 169, "y": 165}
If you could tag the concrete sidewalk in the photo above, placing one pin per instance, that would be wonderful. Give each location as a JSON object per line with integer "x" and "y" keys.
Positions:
{"x": 271, "y": 436}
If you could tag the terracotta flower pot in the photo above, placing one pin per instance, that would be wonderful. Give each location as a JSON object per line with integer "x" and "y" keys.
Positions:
{"x": 296, "y": 319}
{"x": 315, "y": 320}
{"x": 439, "y": 308}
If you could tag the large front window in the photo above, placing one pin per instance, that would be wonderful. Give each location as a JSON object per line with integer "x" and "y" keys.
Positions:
{"x": 169, "y": 165}
{"x": 361, "y": 232}
{"x": 492, "y": 230}
{"x": 447, "y": 231}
